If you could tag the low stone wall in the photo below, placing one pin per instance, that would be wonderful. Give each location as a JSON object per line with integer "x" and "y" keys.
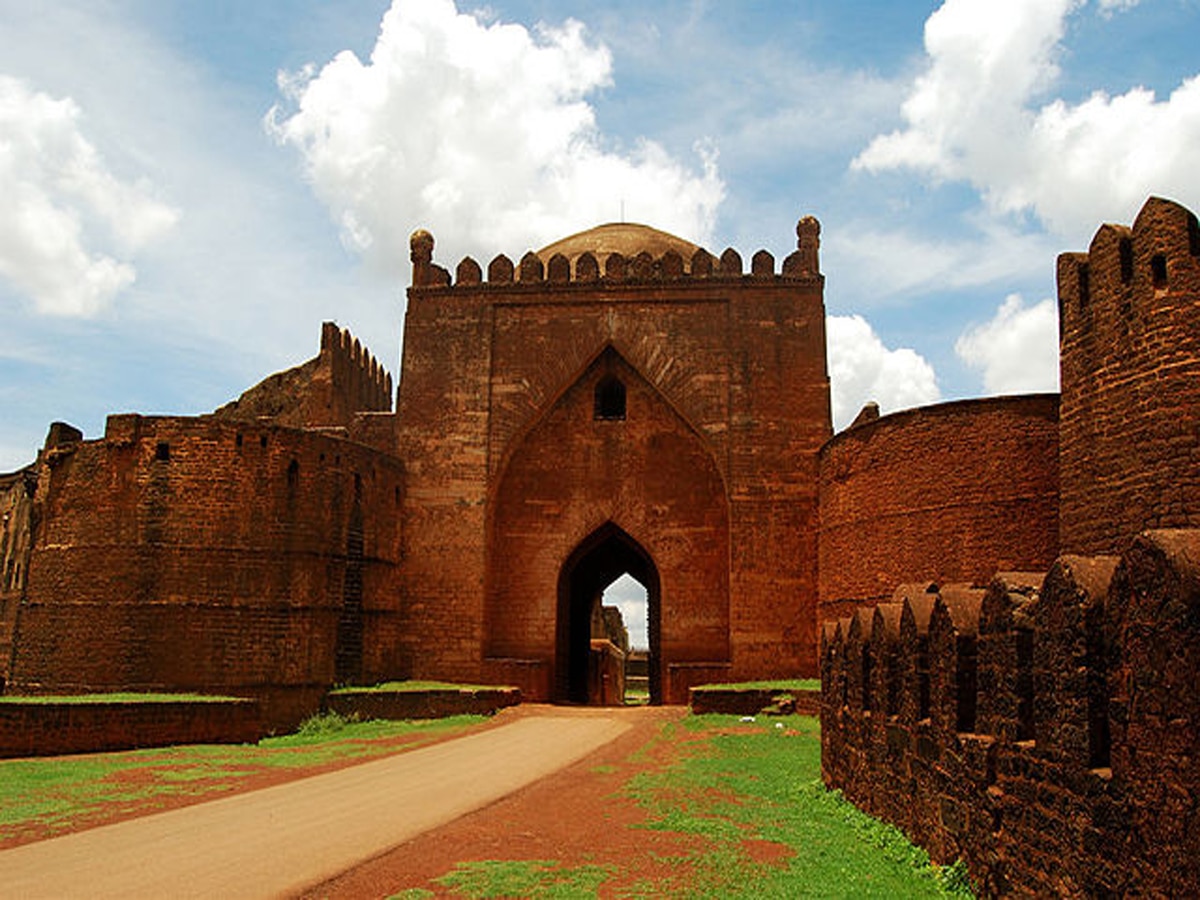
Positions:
{"x": 1044, "y": 730}
{"x": 429, "y": 704}
{"x": 46, "y": 727}
{"x": 752, "y": 701}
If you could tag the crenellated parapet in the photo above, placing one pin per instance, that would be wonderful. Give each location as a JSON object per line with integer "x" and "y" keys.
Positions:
{"x": 334, "y": 389}
{"x": 1042, "y": 728}
{"x": 660, "y": 260}
{"x": 1130, "y": 369}
{"x": 355, "y": 371}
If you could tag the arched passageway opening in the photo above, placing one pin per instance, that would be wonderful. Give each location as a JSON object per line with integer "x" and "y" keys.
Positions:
{"x": 600, "y": 560}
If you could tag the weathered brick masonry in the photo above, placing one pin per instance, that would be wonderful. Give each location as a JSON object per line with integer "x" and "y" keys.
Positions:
{"x": 48, "y": 728}
{"x": 1044, "y": 731}
{"x": 1130, "y": 436}
{"x": 1045, "y": 726}
{"x": 621, "y": 402}
{"x": 210, "y": 554}
{"x": 16, "y": 539}
{"x": 700, "y": 480}
{"x": 952, "y": 492}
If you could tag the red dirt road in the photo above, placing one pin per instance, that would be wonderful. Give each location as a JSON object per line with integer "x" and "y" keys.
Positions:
{"x": 283, "y": 839}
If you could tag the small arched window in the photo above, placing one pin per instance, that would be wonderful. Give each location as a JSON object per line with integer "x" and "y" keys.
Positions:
{"x": 610, "y": 398}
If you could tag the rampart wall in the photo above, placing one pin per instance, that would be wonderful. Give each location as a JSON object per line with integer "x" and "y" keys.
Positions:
{"x": 1130, "y": 445}
{"x": 1044, "y": 730}
{"x": 945, "y": 493}
{"x": 206, "y": 555}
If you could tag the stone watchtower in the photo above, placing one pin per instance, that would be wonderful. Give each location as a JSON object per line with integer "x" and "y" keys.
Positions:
{"x": 618, "y": 402}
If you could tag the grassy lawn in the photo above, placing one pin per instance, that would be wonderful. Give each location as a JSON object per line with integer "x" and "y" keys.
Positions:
{"x": 763, "y": 783}
{"x": 47, "y": 795}
{"x": 737, "y": 783}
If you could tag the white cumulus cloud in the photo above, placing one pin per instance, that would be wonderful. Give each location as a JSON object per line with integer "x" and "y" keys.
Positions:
{"x": 1017, "y": 351}
{"x": 862, "y": 369}
{"x": 483, "y": 134}
{"x": 68, "y": 222}
{"x": 982, "y": 113}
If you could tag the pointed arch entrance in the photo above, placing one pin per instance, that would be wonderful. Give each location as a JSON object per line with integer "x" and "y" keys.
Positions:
{"x": 599, "y": 560}
{"x": 574, "y": 490}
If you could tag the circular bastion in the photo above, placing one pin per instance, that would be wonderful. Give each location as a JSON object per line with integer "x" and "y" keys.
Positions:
{"x": 952, "y": 492}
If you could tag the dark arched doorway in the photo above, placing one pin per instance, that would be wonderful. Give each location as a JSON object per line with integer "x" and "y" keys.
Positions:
{"x": 599, "y": 560}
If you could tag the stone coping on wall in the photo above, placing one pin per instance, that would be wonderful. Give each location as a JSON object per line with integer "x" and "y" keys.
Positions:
{"x": 421, "y": 703}
{"x": 1036, "y": 404}
{"x": 740, "y": 700}
{"x": 54, "y": 726}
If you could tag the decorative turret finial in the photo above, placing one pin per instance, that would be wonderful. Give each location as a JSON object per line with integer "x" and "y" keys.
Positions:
{"x": 425, "y": 273}
{"x": 808, "y": 243}
{"x": 420, "y": 247}
{"x": 804, "y": 261}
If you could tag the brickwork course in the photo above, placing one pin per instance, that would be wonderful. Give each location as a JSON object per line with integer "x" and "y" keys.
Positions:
{"x": 999, "y": 595}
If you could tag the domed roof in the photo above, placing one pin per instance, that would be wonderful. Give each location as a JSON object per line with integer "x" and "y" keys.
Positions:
{"x": 626, "y": 238}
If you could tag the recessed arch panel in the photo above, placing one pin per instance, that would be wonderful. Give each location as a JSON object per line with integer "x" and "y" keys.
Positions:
{"x": 572, "y": 475}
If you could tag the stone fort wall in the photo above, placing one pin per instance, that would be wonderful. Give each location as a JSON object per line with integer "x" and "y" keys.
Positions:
{"x": 945, "y": 493}
{"x": 197, "y": 554}
{"x": 1044, "y": 727}
{"x": 1044, "y": 730}
{"x": 328, "y": 391}
{"x": 16, "y": 540}
{"x": 1130, "y": 441}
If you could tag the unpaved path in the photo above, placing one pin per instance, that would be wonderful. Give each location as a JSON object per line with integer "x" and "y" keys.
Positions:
{"x": 279, "y": 840}
{"x": 583, "y": 815}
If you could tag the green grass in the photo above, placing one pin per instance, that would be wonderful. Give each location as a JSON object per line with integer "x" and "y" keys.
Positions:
{"x": 118, "y": 697}
{"x": 730, "y": 783}
{"x": 50, "y": 793}
{"x": 392, "y": 687}
{"x": 782, "y": 684}
{"x": 763, "y": 783}
{"x": 541, "y": 879}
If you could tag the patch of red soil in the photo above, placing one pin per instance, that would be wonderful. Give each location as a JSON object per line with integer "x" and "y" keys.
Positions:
{"x": 580, "y": 816}
{"x": 766, "y": 852}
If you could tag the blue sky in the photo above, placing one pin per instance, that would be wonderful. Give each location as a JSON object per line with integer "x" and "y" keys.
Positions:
{"x": 179, "y": 216}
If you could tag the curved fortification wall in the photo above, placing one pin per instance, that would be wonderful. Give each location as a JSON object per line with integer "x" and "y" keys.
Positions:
{"x": 945, "y": 493}
{"x": 244, "y": 559}
{"x": 1131, "y": 380}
